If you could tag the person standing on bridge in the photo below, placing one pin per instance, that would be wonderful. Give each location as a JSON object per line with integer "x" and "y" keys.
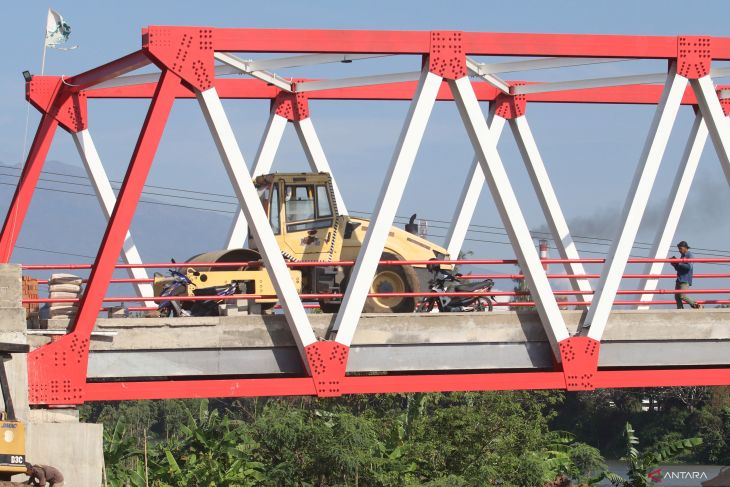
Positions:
{"x": 42, "y": 474}
{"x": 684, "y": 277}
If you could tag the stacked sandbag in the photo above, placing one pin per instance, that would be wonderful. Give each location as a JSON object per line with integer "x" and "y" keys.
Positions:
{"x": 64, "y": 286}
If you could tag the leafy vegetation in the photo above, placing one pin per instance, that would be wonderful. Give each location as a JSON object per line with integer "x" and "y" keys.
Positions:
{"x": 641, "y": 465}
{"x": 468, "y": 439}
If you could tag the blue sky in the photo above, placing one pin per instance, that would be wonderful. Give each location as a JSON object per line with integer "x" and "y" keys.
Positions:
{"x": 590, "y": 151}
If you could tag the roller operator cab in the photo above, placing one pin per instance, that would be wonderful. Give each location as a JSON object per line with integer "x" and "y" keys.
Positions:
{"x": 303, "y": 214}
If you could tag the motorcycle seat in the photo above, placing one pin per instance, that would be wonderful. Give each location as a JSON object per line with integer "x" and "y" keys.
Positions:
{"x": 488, "y": 283}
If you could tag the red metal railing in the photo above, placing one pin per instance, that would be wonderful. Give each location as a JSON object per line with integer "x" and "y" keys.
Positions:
{"x": 317, "y": 296}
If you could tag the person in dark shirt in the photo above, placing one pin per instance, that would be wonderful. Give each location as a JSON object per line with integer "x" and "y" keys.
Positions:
{"x": 684, "y": 277}
{"x": 42, "y": 474}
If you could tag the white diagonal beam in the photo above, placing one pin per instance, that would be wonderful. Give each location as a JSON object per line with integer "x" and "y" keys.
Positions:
{"x": 107, "y": 201}
{"x": 717, "y": 123}
{"x": 549, "y": 203}
{"x": 306, "y": 60}
{"x": 270, "y": 141}
{"x": 241, "y": 65}
{"x": 485, "y": 147}
{"x": 581, "y": 84}
{"x": 376, "y": 79}
{"x": 492, "y": 79}
{"x": 675, "y": 204}
{"x": 316, "y": 157}
{"x": 235, "y": 165}
{"x": 140, "y": 79}
{"x": 400, "y": 167}
{"x": 470, "y": 195}
{"x": 542, "y": 63}
{"x": 638, "y": 196}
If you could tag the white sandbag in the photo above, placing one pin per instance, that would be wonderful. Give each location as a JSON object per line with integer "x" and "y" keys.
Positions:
{"x": 62, "y": 312}
{"x": 65, "y": 279}
{"x": 64, "y": 288}
{"x": 61, "y": 295}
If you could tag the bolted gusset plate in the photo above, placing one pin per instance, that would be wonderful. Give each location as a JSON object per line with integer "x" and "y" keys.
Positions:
{"x": 579, "y": 356}
{"x": 292, "y": 106}
{"x": 694, "y": 56}
{"x": 57, "y": 372}
{"x": 446, "y": 57}
{"x": 46, "y": 94}
{"x": 327, "y": 362}
{"x": 510, "y": 106}
{"x": 186, "y": 51}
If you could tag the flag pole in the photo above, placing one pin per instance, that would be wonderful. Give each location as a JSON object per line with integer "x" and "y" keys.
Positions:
{"x": 45, "y": 47}
{"x": 27, "y": 106}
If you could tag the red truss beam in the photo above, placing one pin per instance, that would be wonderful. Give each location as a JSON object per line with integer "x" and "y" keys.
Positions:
{"x": 253, "y": 89}
{"x": 383, "y": 384}
{"x": 110, "y": 70}
{"x": 475, "y": 43}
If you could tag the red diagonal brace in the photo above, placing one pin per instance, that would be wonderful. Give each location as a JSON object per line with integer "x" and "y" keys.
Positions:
{"x": 579, "y": 356}
{"x": 327, "y": 362}
{"x": 57, "y": 372}
{"x": 26, "y": 186}
{"x": 186, "y": 51}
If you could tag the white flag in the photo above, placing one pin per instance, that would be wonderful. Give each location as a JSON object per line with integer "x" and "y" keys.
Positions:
{"x": 57, "y": 30}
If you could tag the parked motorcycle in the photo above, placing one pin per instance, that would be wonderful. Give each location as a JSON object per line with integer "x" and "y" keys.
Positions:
{"x": 444, "y": 281}
{"x": 178, "y": 286}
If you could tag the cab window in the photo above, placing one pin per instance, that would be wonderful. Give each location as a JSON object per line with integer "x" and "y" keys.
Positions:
{"x": 274, "y": 212}
{"x": 324, "y": 209}
{"x": 299, "y": 203}
{"x": 307, "y": 207}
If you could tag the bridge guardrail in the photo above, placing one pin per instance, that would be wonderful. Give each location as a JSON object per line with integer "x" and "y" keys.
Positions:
{"x": 315, "y": 296}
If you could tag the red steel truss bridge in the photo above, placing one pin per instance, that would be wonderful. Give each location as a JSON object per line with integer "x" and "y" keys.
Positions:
{"x": 597, "y": 346}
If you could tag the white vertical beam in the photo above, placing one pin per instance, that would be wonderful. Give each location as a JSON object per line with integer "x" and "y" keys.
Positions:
{"x": 107, "y": 200}
{"x": 638, "y": 196}
{"x": 315, "y": 155}
{"x": 717, "y": 123}
{"x": 470, "y": 195}
{"x": 549, "y": 203}
{"x": 235, "y": 165}
{"x": 395, "y": 181}
{"x": 262, "y": 164}
{"x": 485, "y": 147}
{"x": 675, "y": 204}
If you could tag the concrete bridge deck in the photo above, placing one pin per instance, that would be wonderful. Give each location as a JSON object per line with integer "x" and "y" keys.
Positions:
{"x": 262, "y": 345}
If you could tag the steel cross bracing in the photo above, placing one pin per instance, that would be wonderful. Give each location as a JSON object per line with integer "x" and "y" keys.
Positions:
{"x": 186, "y": 58}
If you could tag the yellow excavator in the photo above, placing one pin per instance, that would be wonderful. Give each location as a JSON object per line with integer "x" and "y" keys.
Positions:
{"x": 12, "y": 431}
{"x": 303, "y": 214}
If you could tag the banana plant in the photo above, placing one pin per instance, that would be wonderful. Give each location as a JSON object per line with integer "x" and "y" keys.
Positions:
{"x": 643, "y": 470}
